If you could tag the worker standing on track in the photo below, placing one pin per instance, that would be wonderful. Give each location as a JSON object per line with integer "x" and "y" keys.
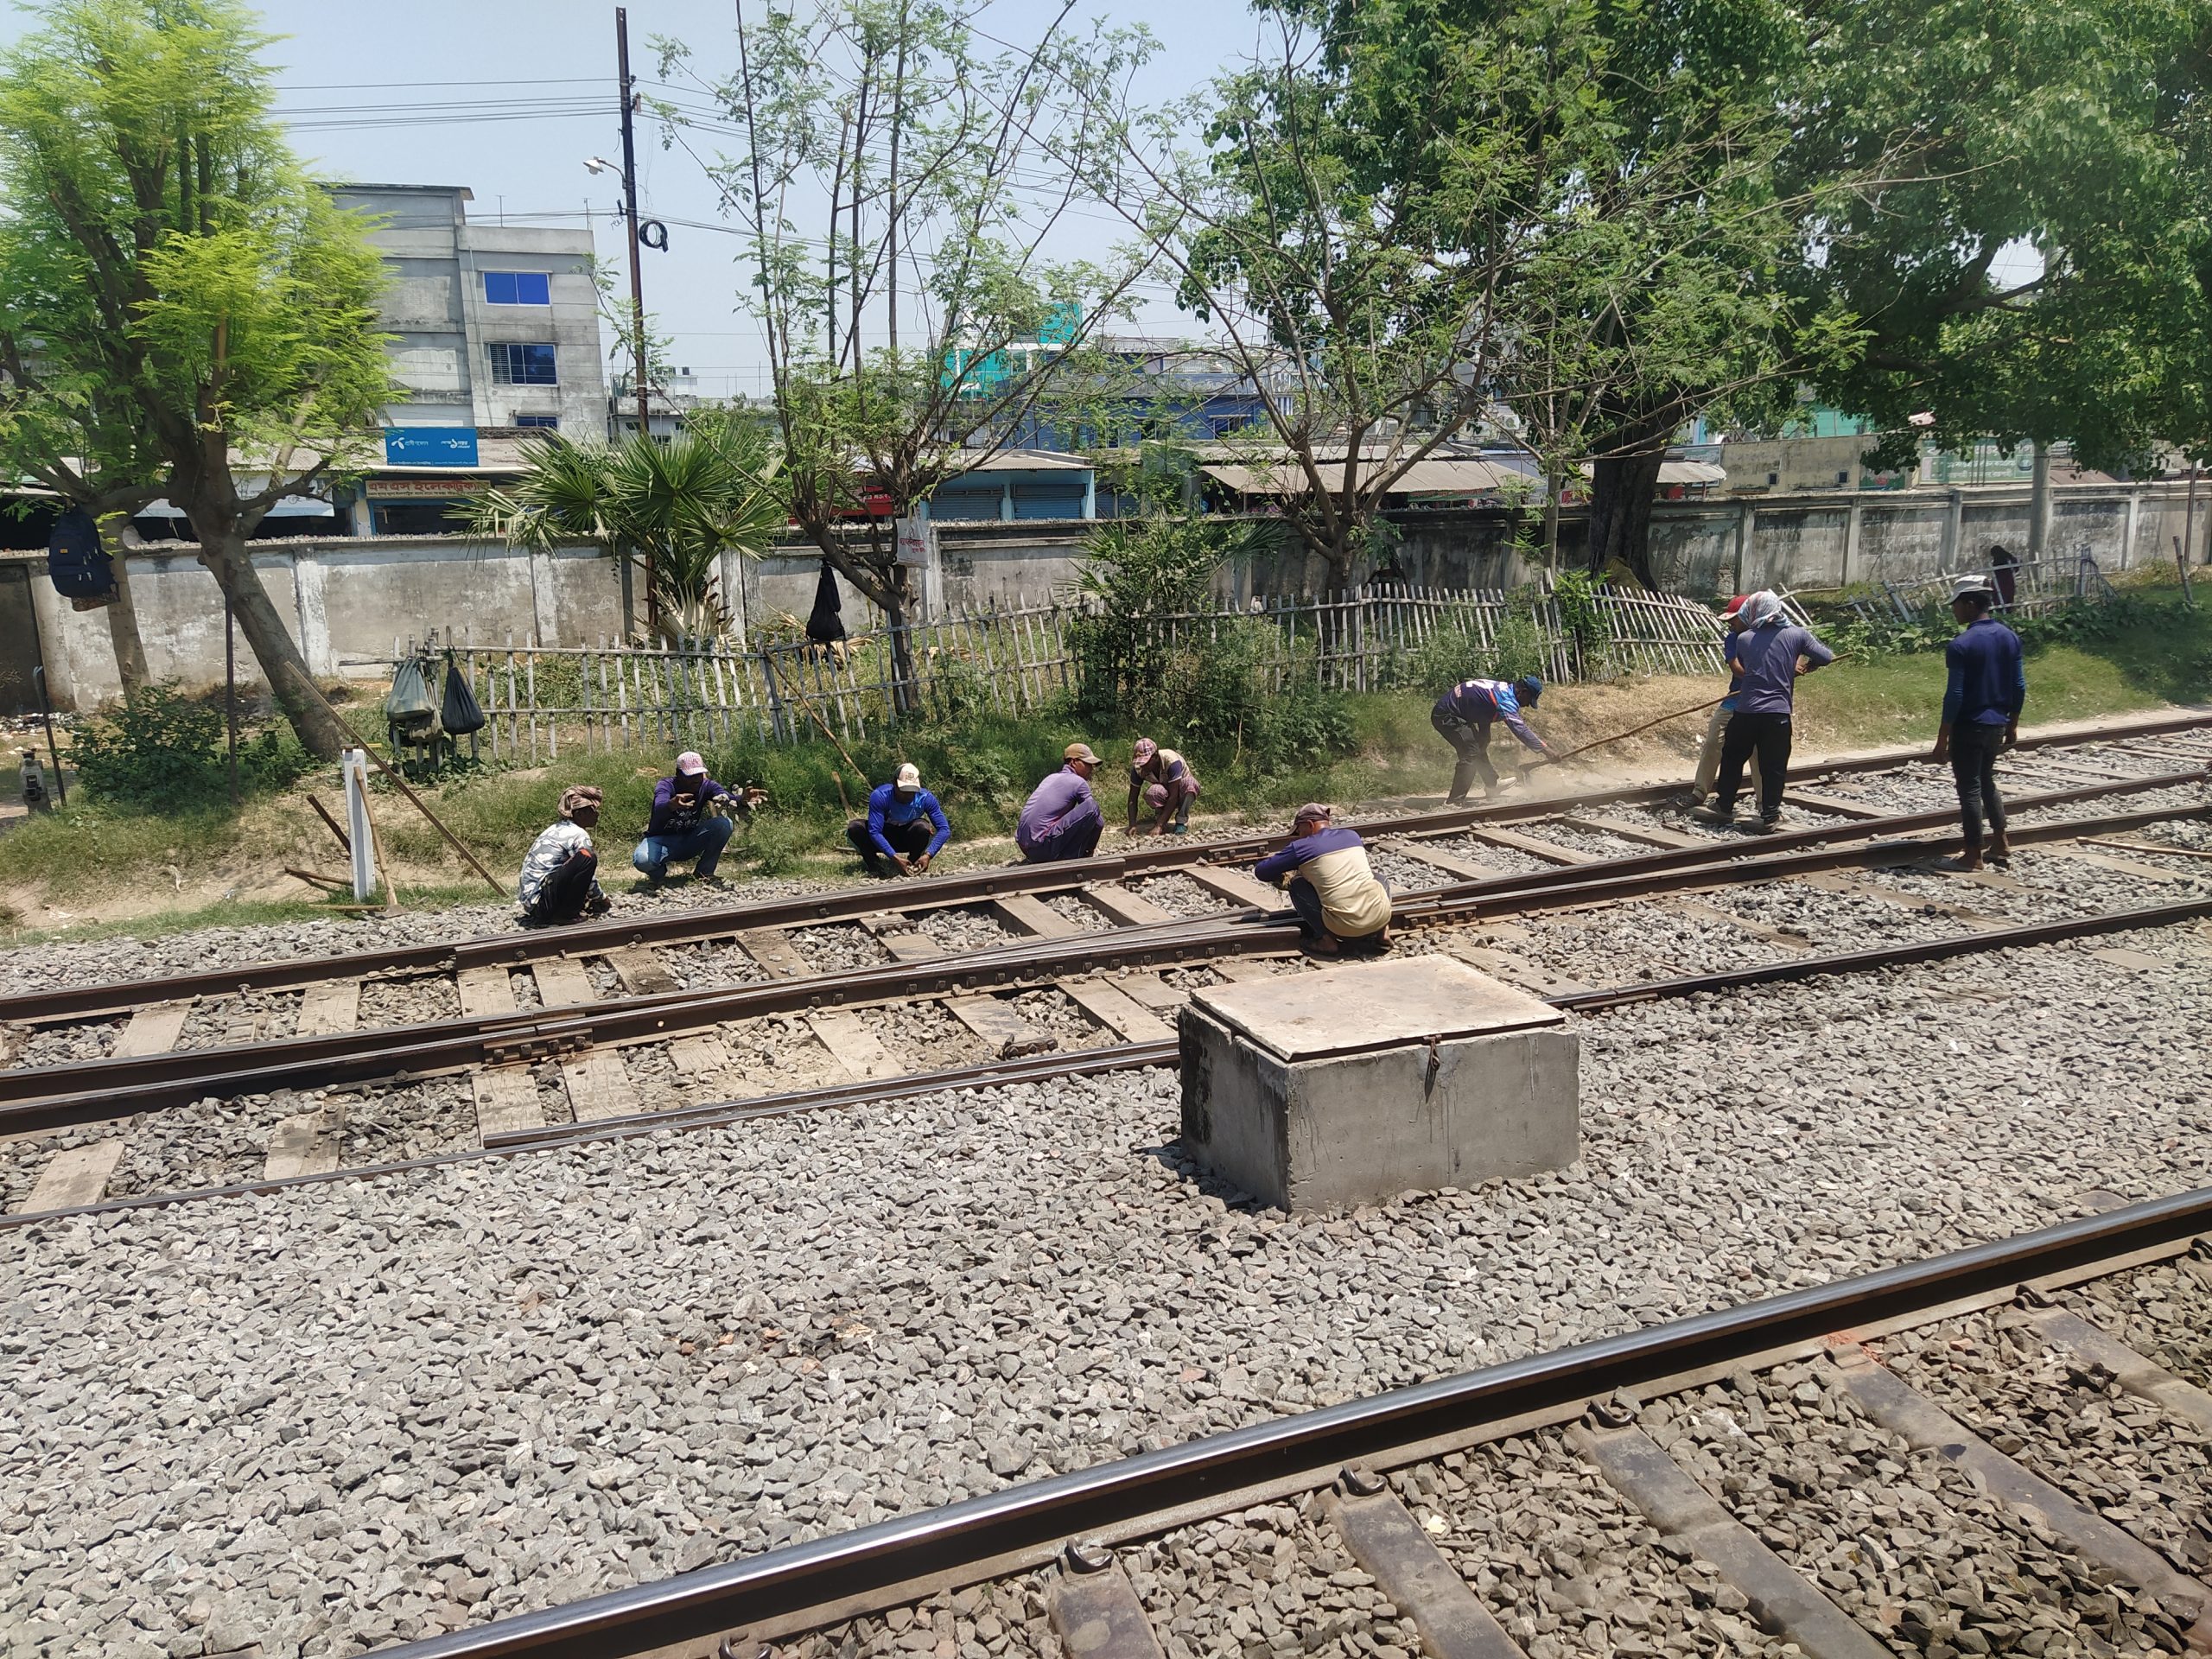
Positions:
{"x": 1987, "y": 689}
{"x": 560, "y": 873}
{"x": 1164, "y": 781}
{"x": 1769, "y": 655}
{"x": 1061, "y": 818}
{"x": 1463, "y": 718}
{"x": 1708, "y": 754}
{"x": 905, "y": 828}
{"x": 1339, "y": 900}
{"x": 683, "y": 826}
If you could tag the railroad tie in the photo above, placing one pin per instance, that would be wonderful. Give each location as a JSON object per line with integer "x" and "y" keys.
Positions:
{"x": 1125, "y": 908}
{"x": 1238, "y": 887}
{"x": 153, "y": 1029}
{"x": 1150, "y": 991}
{"x": 1550, "y": 851}
{"x": 484, "y": 991}
{"x": 853, "y": 1047}
{"x": 642, "y": 971}
{"x": 1117, "y": 1011}
{"x": 1783, "y": 1600}
{"x": 2124, "y": 866}
{"x": 1388, "y": 1543}
{"x": 506, "y": 1101}
{"x": 773, "y": 950}
{"x": 999, "y": 1026}
{"x": 73, "y": 1177}
{"x": 1796, "y": 942}
{"x": 2144, "y": 1378}
{"x": 329, "y": 1008}
{"x": 905, "y": 942}
{"x": 700, "y": 1062}
{"x": 599, "y": 1086}
{"x": 1452, "y": 864}
{"x": 563, "y": 983}
{"x": 1833, "y": 806}
{"x": 1926, "y": 1427}
{"x": 1644, "y": 835}
{"x": 307, "y": 1144}
{"x": 1033, "y": 916}
{"x": 1095, "y": 1610}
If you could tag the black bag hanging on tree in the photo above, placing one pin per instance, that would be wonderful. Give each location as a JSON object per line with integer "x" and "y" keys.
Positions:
{"x": 461, "y": 714}
{"x": 825, "y": 623}
{"x": 75, "y": 560}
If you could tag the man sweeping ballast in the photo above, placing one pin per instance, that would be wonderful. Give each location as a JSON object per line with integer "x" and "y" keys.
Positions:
{"x": 905, "y": 828}
{"x": 1987, "y": 689}
{"x": 1768, "y": 654}
{"x": 1338, "y": 898}
{"x": 1463, "y": 718}
{"x": 560, "y": 873}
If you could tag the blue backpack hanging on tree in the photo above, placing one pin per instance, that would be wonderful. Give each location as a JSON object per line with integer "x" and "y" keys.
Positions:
{"x": 74, "y": 559}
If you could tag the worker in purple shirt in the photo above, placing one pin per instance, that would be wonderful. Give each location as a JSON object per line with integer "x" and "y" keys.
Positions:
{"x": 1061, "y": 818}
{"x": 1987, "y": 689}
{"x": 1767, "y": 655}
{"x": 1463, "y": 718}
{"x": 683, "y": 824}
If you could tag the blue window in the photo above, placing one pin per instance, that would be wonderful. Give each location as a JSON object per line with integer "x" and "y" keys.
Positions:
{"x": 515, "y": 363}
{"x": 543, "y": 423}
{"x": 518, "y": 287}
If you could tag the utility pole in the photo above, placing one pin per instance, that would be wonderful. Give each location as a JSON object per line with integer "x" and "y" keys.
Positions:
{"x": 637, "y": 276}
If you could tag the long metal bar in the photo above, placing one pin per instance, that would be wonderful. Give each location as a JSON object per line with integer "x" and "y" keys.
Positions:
{"x": 518, "y": 949}
{"x": 1024, "y": 1521}
{"x": 112, "y": 1088}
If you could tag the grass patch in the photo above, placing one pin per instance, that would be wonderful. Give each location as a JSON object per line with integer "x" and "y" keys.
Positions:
{"x": 83, "y": 848}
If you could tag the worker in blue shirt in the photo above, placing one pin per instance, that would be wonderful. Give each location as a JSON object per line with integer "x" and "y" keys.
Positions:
{"x": 1768, "y": 657}
{"x": 1987, "y": 689}
{"x": 1463, "y": 718}
{"x": 905, "y": 828}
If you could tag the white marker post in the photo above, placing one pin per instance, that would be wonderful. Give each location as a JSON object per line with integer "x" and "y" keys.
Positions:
{"x": 353, "y": 766}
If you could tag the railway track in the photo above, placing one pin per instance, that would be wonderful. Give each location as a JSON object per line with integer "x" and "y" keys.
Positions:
{"x": 1079, "y": 998}
{"x": 2001, "y": 1449}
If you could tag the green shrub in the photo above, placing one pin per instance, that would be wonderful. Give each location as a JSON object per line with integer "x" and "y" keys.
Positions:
{"x": 162, "y": 752}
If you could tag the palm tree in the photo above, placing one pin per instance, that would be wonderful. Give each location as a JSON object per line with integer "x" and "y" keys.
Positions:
{"x": 677, "y": 506}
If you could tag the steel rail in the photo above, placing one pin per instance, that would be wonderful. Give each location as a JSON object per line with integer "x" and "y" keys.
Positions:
{"x": 1136, "y": 1056}
{"x": 1133, "y": 1495}
{"x": 517, "y": 948}
{"x": 30, "y": 1099}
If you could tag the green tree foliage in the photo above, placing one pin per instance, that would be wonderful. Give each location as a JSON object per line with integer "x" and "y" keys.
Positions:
{"x": 183, "y": 306}
{"x": 2074, "y": 128}
{"x": 678, "y": 506}
{"x": 164, "y": 752}
{"x": 899, "y": 180}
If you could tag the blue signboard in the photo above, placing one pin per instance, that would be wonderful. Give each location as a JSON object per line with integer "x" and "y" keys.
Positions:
{"x": 429, "y": 446}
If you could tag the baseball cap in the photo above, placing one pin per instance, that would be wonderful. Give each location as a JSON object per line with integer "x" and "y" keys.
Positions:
{"x": 1143, "y": 750}
{"x": 1312, "y": 812}
{"x": 1080, "y": 752}
{"x": 910, "y": 776}
{"x": 1735, "y": 605}
{"x": 689, "y": 764}
{"x": 1962, "y": 586}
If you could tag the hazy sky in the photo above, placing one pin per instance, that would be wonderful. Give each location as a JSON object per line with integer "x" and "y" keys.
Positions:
{"x": 358, "y": 81}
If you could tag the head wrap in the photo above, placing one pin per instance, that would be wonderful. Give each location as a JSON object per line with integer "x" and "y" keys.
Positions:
{"x": 1762, "y": 609}
{"x": 577, "y": 796}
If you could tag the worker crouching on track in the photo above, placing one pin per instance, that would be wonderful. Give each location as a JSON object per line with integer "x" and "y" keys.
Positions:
{"x": 683, "y": 824}
{"x": 560, "y": 873}
{"x": 1463, "y": 718}
{"x": 905, "y": 828}
{"x": 1163, "y": 780}
{"x": 1770, "y": 654}
{"x": 1987, "y": 689}
{"x": 1339, "y": 900}
{"x": 1061, "y": 819}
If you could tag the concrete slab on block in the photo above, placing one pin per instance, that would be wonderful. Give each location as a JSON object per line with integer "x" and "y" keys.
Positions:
{"x": 75, "y": 1177}
{"x": 852, "y": 1045}
{"x": 642, "y": 971}
{"x": 1372, "y": 1005}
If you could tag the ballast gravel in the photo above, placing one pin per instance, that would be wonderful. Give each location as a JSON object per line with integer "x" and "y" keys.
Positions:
{"x": 355, "y": 1412}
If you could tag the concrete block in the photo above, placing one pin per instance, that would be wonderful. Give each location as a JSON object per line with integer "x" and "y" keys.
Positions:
{"x": 1356, "y": 1083}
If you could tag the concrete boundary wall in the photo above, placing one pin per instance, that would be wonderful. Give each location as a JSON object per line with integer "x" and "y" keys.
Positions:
{"x": 344, "y": 600}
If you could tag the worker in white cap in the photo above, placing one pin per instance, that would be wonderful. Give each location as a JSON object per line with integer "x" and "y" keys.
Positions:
{"x": 685, "y": 823}
{"x": 905, "y": 828}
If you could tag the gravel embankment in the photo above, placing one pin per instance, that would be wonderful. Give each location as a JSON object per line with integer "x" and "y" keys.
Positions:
{"x": 358, "y": 1411}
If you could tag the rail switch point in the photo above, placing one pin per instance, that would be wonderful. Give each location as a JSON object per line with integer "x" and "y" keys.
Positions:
{"x": 1356, "y": 1083}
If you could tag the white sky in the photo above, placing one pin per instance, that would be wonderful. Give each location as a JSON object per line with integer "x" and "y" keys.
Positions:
{"x": 365, "y": 68}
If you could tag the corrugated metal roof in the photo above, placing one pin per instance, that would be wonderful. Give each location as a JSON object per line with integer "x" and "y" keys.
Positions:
{"x": 1448, "y": 475}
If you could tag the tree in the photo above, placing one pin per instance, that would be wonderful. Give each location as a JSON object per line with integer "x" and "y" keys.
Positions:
{"x": 683, "y": 504}
{"x": 897, "y": 190}
{"x": 219, "y": 303}
{"x": 1417, "y": 215}
{"x": 2037, "y": 268}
